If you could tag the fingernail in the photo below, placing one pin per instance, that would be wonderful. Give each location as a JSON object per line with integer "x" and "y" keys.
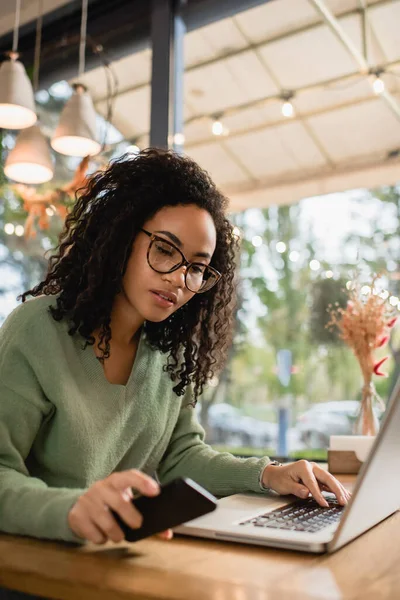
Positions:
{"x": 325, "y": 503}
{"x": 154, "y": 485}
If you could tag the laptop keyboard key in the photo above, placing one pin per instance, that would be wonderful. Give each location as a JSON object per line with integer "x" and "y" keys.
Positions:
{"x": 302, "y": 515}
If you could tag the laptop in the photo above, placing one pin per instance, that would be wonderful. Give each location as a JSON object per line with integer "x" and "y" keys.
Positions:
{"x": 296, "y": 524}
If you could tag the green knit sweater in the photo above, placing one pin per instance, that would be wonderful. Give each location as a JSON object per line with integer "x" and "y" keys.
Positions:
{"x": 63, "y": 426}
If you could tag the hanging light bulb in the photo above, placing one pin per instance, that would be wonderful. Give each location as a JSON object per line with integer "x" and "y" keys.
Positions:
{"x": 17, "y": 104}
{"x": 287, "y": 107}
{"x": 217, "y": 128}
{"x": 378, "y": 85}
{"x": 76, "y": 131}
{"x": 30, "y": 161}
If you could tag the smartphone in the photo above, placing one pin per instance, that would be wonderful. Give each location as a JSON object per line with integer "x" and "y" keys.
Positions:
{"x": 179, "y": 501}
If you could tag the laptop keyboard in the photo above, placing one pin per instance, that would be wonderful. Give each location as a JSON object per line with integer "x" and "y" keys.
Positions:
{"x": 302, "y": 515}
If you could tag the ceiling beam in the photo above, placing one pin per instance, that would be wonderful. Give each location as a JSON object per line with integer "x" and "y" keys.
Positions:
{"x": 122, "y": 27}
{"x": 363, "y": 65}
{"x": 212, "y": 139}
{"x": 255, "y": 46}
{"x": 289, "y": 188}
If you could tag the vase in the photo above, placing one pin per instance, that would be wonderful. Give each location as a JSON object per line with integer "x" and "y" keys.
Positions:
{"x": 367, "y": 422}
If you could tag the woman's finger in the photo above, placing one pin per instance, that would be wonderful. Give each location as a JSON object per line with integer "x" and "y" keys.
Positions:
{"x": 166, "y": 535}
{"x": 309, "y": 480}
{"x": 121, "y": 504}
{"x": 330, "y": 482}
{"x": 144, "y": 484}
{"x": 103, "y": 519}
{"x": 84, "y": 526}
{"x": 92, "y": 533}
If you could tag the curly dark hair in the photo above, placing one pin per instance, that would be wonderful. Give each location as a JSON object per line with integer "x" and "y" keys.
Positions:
{"x": 89, "y": 263}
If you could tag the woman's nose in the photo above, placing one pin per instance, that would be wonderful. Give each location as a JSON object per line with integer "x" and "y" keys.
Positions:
{"x": 177, "y": 277}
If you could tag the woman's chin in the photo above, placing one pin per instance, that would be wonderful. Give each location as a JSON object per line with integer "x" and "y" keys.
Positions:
{"x": 157, "y": 317}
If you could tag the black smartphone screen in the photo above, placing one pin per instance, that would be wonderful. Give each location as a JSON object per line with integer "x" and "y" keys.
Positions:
{"x": 179, "y": 501}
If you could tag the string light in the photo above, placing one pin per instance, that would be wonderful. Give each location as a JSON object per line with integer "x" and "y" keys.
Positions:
{"x": 329, "y": 274}
{"x": 287, "y": 106}
{"x": 287, "y": 109}
{"x": 217, "y": 128}
{"x": 256, "y": 241}
{"x": 394, "y": 300}
{"x": 294, "y": 256}
{"x": 9, "y": 228}
{"x": 213, "y": 382}
{"x": 237, "y": 233}
{"x": 281, "y": 247}
{"x": 179, "y": 139}
{"x": 365, "y": 290}
{"x": 315, "y": 265}
{"x": 379, "y": 86}
{"x": 19, "y": 230}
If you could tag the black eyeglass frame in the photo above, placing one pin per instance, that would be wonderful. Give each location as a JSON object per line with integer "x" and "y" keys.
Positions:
{"x": 153, "y": 237}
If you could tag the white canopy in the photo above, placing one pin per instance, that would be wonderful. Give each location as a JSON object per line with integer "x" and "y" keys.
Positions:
{"x": 342, "y": 134}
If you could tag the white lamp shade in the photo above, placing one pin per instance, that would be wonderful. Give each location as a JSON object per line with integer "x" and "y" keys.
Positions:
{"x": 76, "y": 131}
{"x": 17, "y": 103}
{"x": 30, "y": 160}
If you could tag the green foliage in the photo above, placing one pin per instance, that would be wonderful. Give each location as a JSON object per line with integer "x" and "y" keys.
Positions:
{"x": 244, "y": 451}
{"x": 326, "y": 293}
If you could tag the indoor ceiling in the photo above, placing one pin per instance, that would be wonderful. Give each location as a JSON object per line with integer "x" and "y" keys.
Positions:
{"x": 342, "y": 135}
{"x": 29, "y": 11}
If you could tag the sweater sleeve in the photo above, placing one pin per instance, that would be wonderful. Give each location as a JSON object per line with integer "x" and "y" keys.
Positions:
{"x": 220, "y": 473}
{"x": 27, "y": 505}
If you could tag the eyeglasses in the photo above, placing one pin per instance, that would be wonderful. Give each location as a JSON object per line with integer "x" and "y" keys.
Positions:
{"x": 165, "y": 257}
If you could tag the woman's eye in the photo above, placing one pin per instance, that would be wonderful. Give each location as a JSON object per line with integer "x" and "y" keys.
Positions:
{"x": 197, "y": 269}
{"x": 163, "y": 250}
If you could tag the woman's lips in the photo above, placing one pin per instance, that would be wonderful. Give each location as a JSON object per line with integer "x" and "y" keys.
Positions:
{"x": 161, "y": 301}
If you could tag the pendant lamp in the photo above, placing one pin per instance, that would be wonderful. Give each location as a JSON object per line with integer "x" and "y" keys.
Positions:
{"x": 30, "y": 161}
{"x": 17, "y": 104}
{"x": 76, "y": 131}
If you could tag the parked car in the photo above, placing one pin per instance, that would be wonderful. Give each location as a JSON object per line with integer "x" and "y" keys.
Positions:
{"x": 228, "y": 426}
{"x": 324, "y": 419}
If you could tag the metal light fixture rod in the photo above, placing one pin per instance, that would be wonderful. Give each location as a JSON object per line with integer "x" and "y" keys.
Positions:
{"x": 76, "y": 133}
{"x": 346, "y": 41}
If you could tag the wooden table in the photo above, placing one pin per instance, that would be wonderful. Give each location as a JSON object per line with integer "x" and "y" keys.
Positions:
{"x": 192, "y": 569}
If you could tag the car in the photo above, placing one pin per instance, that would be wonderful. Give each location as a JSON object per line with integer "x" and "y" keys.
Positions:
{"x": 324, "y": 419}
{"x": 227, "y": 425}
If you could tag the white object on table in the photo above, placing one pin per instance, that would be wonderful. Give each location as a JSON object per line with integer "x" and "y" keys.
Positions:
{"x": 360, "y": 444}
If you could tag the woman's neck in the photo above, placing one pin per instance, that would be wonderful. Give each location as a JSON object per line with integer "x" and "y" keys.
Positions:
{"x": 126, "y": 323}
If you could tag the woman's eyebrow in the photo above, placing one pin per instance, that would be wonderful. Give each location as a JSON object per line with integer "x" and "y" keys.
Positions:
{"x": 178, "y": 242}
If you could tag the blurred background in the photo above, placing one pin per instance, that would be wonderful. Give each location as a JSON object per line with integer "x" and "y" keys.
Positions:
{"x": 293, "y": 106}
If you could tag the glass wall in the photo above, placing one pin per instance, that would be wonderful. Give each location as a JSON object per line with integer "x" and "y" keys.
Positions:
{"x": 277, "y": 123}
{"x": 296, "y": 261}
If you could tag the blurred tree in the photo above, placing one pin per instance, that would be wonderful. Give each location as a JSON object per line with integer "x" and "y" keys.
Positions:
{"x": 379, "y": 249}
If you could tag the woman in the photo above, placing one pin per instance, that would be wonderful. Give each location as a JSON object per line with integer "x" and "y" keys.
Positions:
{"x": 100, "y": 371}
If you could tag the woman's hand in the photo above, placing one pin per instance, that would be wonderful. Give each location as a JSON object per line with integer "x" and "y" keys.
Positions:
{"x": 90, "y": 517}
{"x": 302, "y": 478}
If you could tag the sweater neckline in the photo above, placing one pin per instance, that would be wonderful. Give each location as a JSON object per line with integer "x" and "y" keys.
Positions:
{"x": 95, "y": 369}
